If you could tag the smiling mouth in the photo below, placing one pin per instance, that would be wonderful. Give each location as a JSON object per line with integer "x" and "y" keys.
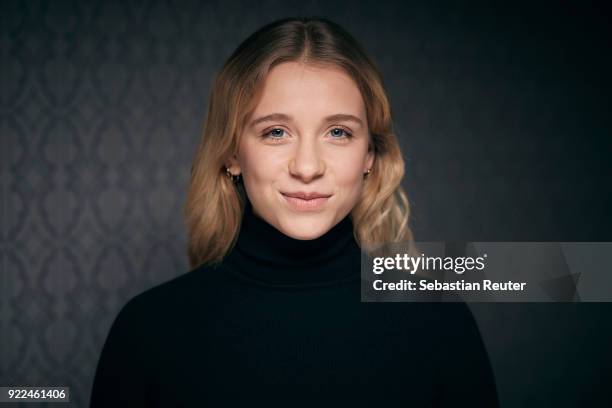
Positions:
{"x": 305, "y": 204}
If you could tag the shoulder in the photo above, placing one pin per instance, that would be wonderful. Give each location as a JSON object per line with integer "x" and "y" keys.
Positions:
{"x": 149, "y": 321}
{"x": 443, "y": 323}
{"x": 177, "y": 296}
{"x": 456, "y": 320}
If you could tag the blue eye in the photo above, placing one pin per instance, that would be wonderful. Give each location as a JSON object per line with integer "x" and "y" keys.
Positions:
{"x": 336, "y": 133}
{"x": 340, "y": 132}
{"x": 276, "y": 132}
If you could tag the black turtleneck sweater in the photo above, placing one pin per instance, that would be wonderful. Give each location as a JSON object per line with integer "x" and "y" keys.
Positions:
{"x": 280, "y": 323}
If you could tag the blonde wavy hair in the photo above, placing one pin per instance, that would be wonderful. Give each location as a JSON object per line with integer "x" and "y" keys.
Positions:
{"x": 215, "y": 204}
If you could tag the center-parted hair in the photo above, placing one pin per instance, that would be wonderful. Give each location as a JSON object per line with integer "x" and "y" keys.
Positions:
{"x": 215, "y": 204}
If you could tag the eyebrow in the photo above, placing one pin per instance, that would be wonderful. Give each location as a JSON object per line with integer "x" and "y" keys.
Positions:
{"x": 338, "y": 117}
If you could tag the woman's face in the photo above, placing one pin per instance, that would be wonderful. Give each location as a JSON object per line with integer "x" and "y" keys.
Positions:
{"x": 308, "y": 134}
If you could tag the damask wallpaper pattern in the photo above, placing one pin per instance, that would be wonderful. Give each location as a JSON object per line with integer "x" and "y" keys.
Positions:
{"x": 101, "y": 109}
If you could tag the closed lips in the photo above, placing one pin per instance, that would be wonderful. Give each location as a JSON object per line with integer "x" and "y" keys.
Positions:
{"x": 307, "y": 196}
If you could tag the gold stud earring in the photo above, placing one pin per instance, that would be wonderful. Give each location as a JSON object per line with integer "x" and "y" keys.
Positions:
{"x": 234, "y": 178}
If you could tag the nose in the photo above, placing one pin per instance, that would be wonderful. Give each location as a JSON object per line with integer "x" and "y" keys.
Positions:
{"x": 306, "y": 162}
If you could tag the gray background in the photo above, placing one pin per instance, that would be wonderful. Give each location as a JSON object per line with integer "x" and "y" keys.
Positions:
{"x": 502, "y": 112}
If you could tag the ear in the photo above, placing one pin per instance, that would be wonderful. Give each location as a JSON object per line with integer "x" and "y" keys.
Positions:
{"x": 369, "y": 162}
{"x": 232, "y": 164}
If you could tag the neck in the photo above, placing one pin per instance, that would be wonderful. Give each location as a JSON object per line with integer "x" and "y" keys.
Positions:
{"x": 265, "y": 254}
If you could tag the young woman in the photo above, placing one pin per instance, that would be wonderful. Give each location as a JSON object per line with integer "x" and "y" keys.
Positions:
{"x": 297, "y": 170}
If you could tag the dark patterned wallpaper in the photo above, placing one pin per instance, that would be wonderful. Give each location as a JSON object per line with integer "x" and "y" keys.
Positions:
{"x": 503, "y": 115}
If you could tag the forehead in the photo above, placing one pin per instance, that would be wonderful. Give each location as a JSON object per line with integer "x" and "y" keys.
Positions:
{"x": 292, "y": 86}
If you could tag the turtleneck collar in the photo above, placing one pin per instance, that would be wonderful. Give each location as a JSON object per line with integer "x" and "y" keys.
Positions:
{"x": 264, "y": 254}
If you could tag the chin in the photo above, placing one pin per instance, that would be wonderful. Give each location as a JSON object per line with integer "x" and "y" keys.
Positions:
{"x": 304, "y": 228}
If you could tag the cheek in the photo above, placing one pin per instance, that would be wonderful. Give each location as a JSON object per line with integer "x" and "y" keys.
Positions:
{"x": 349, "y": 178}
{"x": 260, "y": 165}
{"x": 348, "y": 171}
